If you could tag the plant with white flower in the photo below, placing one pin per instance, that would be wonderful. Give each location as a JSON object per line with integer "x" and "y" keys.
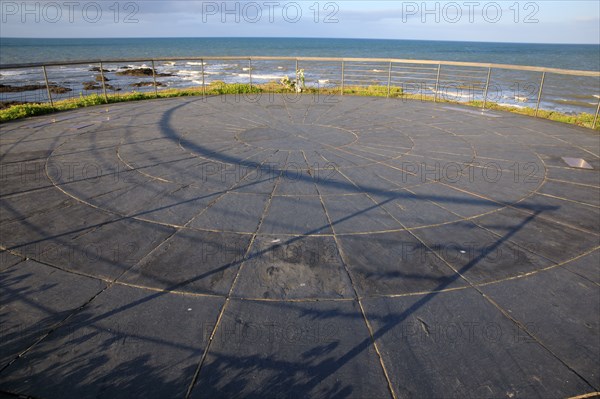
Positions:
{"x": 298, "y": 84}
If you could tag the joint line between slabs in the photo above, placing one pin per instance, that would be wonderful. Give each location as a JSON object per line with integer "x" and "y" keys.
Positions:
{"x": 512, "y": 206}
{"x": 233, "y": 285}
{"x": 569, "y": 200}
{"x": 109, "y": 284}
{"x": 357, "y": 296}
{"x": 555, "y": 263}
{"x": 503, "y": 311}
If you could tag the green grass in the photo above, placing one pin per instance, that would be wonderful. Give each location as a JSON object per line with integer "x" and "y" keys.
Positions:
{"x": 221, "y": 88}
{"x": 583, "y": 119}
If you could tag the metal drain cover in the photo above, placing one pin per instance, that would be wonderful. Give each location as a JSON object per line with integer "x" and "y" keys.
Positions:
{"x": 577, "y": 163}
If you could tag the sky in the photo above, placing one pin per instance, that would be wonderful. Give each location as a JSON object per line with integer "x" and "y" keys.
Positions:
{"x": 495, "y": 21}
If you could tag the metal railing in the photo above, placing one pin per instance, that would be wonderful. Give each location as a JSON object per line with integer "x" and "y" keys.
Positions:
{"x": 535, "y": 87}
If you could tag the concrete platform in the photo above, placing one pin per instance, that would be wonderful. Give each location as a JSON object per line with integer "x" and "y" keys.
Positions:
{"x": 276, "y": 247}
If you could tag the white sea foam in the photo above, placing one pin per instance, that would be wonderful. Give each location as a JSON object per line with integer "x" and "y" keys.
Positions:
{"x": 195, "y": 63}
{"x": 187, "y": 72}
{"x": 131, "y": 66}
{"x": 511, "y": 105}
{"x": 451, "y": 93}
{"x": 221, "y": 67}
{"x": 6, "y": 72}
{"x": 261, "y": 77}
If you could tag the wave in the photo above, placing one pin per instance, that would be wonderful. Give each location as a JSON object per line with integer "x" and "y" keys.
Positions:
{"x": 222, "y": 67}
{"x": 261, "y": 77}
{"x": 449, "y": 93}
{"x": 511, "y": 105}
{"x": 565, "y": 101}
{"x": 188, "y": 72}
{"x": 17, "y": 72}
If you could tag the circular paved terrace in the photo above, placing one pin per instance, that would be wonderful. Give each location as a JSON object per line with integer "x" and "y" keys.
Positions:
{"x": 298, "y": 247}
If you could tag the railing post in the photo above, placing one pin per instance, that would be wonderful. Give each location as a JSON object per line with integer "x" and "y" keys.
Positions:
{"x": 298, "y": 77}
{"x": 48, "y": 86}
{"x": 103, "y": 83}
{"x": 250, "y": 70}
{"x": 203, "y": 83}
{"x": 342, "y": 78}
{"x": 437, "y": 83}
{"x": 154, "y": 79}
{"x": 597, "y": 111}
{"x": 537, "y": 106}
{"x": 487, "y": 85}
{"x": 389, "y": 80}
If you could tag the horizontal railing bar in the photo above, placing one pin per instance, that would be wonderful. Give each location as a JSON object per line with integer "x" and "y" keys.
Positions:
{"x": 413, "y": 78}
{"x": 367, "y": 70}
{"x": 414, "y": 73}
{"x": 402, "y": 83}
{"x": 366, "y": 77}
{"x": 471, "y": 68}
{"x": 444, "y": 76}
{"x": 473, "y": 75}
{"x": 409, "y": 65}
{"x": 467, "y": 85}
{"x": 349, "y": 81}
{"x": 481, "y": 73}
{"x": 322, "y": 59}
{"x": 363, "y": 67}
{"x": 324, "y": 73}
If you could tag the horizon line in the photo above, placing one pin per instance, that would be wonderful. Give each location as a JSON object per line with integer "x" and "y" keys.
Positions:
{"x": 290, "y": 37}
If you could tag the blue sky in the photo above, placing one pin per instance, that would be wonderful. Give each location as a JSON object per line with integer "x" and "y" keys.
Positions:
{"x": 500, "y": 21}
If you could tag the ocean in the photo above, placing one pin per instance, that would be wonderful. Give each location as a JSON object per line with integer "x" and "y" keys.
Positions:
{"x": 566, "y": 94}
